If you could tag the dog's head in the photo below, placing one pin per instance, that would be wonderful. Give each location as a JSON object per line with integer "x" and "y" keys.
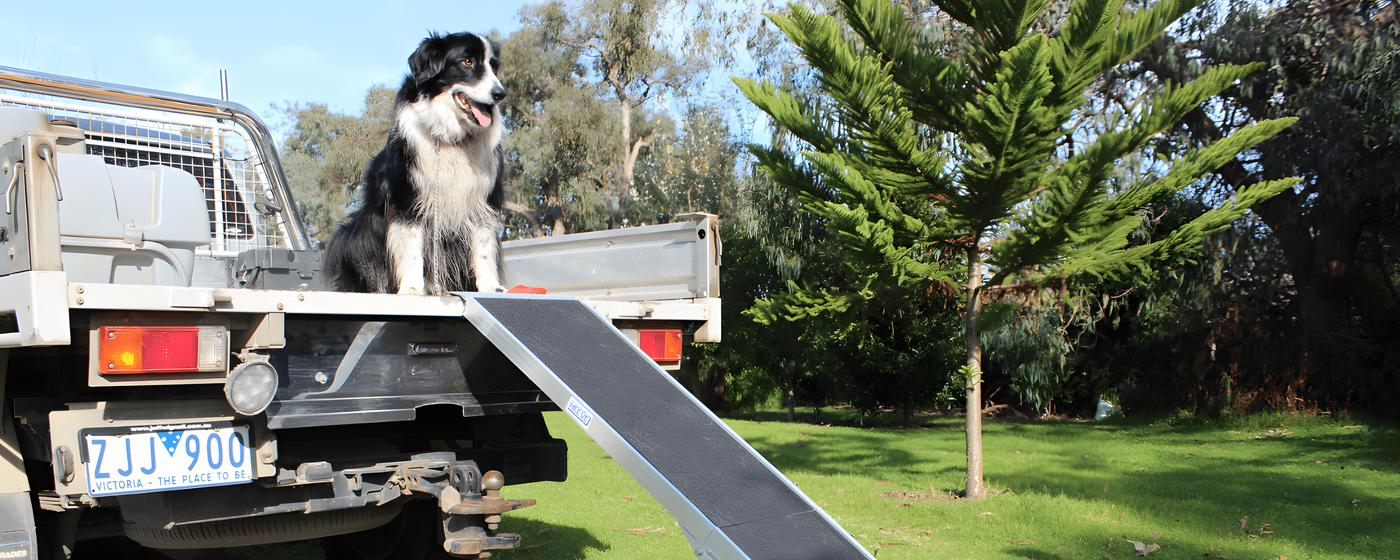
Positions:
{"x": 459, "y": 70}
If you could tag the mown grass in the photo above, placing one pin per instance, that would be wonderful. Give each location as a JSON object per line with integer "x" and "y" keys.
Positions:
{"x": 1066, "y": 490}
{"x": 1063, "y": 490}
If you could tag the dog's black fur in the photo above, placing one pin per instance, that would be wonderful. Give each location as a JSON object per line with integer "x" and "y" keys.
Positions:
{"x": 434, "y": 194}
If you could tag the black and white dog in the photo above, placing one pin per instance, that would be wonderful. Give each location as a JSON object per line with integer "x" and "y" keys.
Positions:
{"x": 430, "y": 219}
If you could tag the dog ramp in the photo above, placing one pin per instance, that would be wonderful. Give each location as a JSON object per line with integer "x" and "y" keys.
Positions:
{"x": 730, "y": 502}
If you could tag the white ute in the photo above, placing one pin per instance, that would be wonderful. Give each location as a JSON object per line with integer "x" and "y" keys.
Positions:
{"x": 172, "y": 369}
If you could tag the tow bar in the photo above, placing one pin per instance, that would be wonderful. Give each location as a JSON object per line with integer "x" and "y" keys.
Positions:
{"x": 471, "y": 505}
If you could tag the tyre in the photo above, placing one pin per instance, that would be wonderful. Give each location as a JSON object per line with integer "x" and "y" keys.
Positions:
{"x": 413, "y": 535}
{"x": 265, "y": 529}
{"x": 379, "y": 543}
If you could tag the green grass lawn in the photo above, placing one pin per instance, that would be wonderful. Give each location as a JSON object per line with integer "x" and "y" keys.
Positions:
{"x": 1066, "y": 490}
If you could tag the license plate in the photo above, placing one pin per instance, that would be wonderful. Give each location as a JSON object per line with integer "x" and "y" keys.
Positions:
{"x": 141, "y": 459}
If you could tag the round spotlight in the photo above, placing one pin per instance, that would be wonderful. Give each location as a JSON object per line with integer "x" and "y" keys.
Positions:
{"x": 250, "y": 387}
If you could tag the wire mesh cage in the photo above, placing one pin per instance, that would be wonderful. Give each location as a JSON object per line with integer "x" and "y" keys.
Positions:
{"x": 218, "y": 154}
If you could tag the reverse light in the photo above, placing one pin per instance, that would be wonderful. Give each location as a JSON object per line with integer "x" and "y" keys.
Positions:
{"x": 661, "y": 345}
{"x": 250, "y": 387}
{"x": 161, "y": 349}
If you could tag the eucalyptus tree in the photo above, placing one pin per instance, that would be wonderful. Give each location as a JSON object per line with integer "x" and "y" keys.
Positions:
{"x": 629, "y": 57}
{"x": 556, "y": 124}
{"x": 952, "y": 169}
{"x": 324, "y": 155}
{"x": 697, "y": 171}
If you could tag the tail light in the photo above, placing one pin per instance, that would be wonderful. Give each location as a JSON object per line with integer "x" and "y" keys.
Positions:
{"x": 661, "y": 345}
{"x": 161, "y": 349}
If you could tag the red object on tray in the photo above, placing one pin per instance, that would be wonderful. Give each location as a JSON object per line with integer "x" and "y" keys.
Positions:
{"x": 523, "y": 289}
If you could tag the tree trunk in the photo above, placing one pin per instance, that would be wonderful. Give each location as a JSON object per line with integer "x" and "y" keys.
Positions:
{"x": 558, "y": 214}
{"x": 1318, "y": 256}
{"x": 622, "y": 199}
{"x": 554, "y": 210}
{"x": 718, "y": 383}
{"x": 975, "y": 490}
{"x": 528, "y": 214}
{"x": 909, "y": 409}
{"x": 690, "y": 369}
{"x": 792, "y": 390}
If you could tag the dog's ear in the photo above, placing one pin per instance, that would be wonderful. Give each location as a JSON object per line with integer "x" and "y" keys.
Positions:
{"x": 427, "y": 61}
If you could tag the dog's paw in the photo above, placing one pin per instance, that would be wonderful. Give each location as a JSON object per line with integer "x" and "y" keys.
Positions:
{"x": 410, "y": 291}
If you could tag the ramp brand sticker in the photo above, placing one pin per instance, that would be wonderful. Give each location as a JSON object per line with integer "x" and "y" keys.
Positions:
{"x": 579, "y": 412}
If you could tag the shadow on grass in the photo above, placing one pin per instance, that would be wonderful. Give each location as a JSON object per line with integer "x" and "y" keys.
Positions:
{"x": 541, "y": 539}
{"x": 557, "y": 542}
{"x": 851, "y": 454}
{"x": 847, "y": 418}
{"x": 1032, "y": 554}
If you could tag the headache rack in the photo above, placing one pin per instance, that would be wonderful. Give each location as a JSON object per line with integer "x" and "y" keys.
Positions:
{"x": 222, "y": 144}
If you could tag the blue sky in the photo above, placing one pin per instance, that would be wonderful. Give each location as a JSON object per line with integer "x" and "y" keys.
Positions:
{"x": 275, "y": 52}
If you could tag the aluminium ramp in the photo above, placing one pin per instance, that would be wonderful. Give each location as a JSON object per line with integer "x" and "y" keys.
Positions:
{"x": 730, "y": 502}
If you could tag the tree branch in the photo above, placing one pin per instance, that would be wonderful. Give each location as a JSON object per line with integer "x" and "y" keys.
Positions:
{"x": 641, "y": 143}
{"x": 535, "y": 229}
{"x": 616, "y": 82}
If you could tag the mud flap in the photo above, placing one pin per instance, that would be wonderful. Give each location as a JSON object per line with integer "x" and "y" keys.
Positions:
{"x": 18, "y": 538}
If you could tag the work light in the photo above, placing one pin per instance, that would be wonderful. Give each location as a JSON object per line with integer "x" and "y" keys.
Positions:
{"x": 250, "y": 387}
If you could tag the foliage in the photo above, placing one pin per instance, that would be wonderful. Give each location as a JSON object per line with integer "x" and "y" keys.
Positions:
{"x": 902, "y": 357}
{"x": 555, "y": 123}
{"x": 1033, "y": 351}
{"x": 1183, "y": 342}
{"x": 886, "y": 358}
{"x": 1314, "y": 291}
{"x": 324, "y": 155}
{"x": 945, "y": 157}
{"x": 696, "y": 172}
{"x": 738, "y": 372}
{"x": 590, "y": 131}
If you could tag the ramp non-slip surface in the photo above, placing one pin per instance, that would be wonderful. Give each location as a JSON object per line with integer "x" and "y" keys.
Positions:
{"x": 755, "y": 508}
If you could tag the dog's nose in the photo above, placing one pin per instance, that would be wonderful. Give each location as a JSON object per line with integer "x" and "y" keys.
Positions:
{"x": 498, "y": 93}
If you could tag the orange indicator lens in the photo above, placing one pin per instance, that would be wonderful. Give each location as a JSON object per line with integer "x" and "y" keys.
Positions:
{"x": 121, "y": 350}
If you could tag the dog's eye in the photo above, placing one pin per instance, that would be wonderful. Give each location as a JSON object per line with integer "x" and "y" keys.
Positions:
{"x": 468, "y": 62}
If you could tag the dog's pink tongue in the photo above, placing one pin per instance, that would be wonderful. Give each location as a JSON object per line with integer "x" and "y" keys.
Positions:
{"x": 482, "y": 119}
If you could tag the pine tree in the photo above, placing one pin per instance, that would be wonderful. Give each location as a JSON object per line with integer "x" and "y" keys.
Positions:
{"x": 962, "y": 171}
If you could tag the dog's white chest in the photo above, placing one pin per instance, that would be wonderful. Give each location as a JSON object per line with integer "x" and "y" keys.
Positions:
{"x": 453, "y": 184}
{"x": 452, "y": 171}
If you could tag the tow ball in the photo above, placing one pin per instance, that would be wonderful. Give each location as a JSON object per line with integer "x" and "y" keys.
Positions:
{"x": 472, "y": 505}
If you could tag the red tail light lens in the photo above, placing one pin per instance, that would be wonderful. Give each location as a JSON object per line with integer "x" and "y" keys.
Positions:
{"x": 161, "y": 349}
{"x": 661, "y": 345}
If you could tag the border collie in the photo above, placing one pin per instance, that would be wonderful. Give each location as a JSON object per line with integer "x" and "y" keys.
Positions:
{"x": 430, "y": 219}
